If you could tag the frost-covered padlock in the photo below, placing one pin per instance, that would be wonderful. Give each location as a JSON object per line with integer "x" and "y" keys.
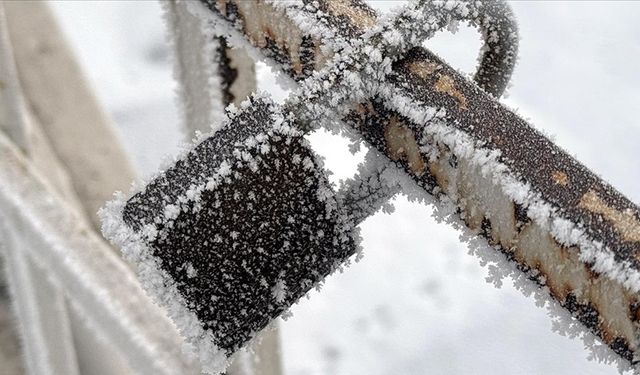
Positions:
{"x": 236, "y": 231}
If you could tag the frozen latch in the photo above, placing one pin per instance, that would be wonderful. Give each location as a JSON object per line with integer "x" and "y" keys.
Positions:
{"x": 245, "y": 223}
{"x": 240, "y": 227}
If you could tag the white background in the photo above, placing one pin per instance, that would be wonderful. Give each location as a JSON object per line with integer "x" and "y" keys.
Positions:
{"x": 417, "y": 303}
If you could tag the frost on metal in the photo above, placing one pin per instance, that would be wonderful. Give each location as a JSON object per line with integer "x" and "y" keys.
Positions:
{"x": 69, "y": 254}
{"x": 201, "y": 100}
{"x": 236, "y": 231}
{"x": 557, "y": 221}
{"x": 552, "y": 218}
{"x": 210, "y": 75}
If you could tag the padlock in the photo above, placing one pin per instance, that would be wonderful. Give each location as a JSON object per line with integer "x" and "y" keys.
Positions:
{"x": 236, "y": 230}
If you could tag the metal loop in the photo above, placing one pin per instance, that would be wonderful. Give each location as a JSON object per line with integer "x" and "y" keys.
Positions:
{"x": 498, "y": 57}
{"x": 497, "y": 24}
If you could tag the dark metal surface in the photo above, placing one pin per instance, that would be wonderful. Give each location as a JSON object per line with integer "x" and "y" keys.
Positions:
{"x": 255, "y": 243}
{"x": 524, "y": 149}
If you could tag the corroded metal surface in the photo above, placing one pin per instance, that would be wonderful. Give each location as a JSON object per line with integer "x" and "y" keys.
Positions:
{"x": 557, "y": 176}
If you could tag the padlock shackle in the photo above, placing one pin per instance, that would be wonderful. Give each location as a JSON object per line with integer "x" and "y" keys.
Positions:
{"x": 362, "y": 195}
{"x": 360, "y": 66}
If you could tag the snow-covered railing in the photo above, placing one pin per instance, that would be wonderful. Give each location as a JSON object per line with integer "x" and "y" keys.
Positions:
{"x": 79, "y": 308}
{"x": 96, "y": 283}
{"x": 538, "y": 207}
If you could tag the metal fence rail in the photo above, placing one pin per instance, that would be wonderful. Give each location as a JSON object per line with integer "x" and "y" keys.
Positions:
{"x": 79, "y": 307}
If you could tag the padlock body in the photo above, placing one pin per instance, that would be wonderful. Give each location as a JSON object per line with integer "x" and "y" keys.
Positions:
{"x": 244, "y": 224}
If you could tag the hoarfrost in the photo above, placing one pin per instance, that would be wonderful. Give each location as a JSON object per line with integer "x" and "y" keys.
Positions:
{"x": 566, "y": 232}
{"x": 279, "y": 291}
{"x": 191, "y": 271}
{"x": 356, "y": 72}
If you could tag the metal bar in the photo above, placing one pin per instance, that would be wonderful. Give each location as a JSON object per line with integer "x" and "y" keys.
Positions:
{"x": 10, "y": 93}
{"x": 563, "y": 226}
{"x": 41, "y": 308}
{"x": 39, "y": 304}
{"x": 196, "y": 50}
{"x": 64, "y": 105}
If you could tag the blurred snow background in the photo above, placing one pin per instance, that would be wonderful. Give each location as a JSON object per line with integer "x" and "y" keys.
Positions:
{"x": 417, "y": 303}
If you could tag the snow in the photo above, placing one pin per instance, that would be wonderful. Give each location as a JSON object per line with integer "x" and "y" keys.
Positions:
{"x": 370, "y": 189}
{"x": 424, "y": 313}
{"x": 279, "y": 291}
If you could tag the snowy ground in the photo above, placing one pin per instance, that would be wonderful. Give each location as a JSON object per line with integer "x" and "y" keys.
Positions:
{"x": 417, "y": 303}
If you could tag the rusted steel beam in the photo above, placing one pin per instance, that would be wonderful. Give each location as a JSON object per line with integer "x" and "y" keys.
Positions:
{"x": 559, "y": 222}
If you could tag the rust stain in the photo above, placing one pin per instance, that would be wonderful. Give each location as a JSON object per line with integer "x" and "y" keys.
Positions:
{"x": 321, "y": 58}
{"x": 564, "y": 251}
{"x": 402, "y": 144}
{"x": 359, "y": 17}
{"x": 423, "y": 69}
{"x": 439, "y": 174}
{"x": 605, "y": 332}
{"x": 293, "y": 48}
{"x": 556, "y": 288}
{"x": 566, "y": 290}
{"x": 363, "y": 108}
{"x": 445, "y": 84}
{"x": 560, "y": 178}
{"x": 557, "y": 291}
{"x": 591, "y": 274}
{"x": 268, "y": 34}
{"x": 222, "y": 6}
{"x": 634, "y": 310}
{"x": 257, "y": 22}
{"x": 624, "y": 222}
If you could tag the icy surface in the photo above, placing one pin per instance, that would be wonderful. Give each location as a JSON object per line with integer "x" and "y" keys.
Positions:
{"x": 427, "y": 306}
